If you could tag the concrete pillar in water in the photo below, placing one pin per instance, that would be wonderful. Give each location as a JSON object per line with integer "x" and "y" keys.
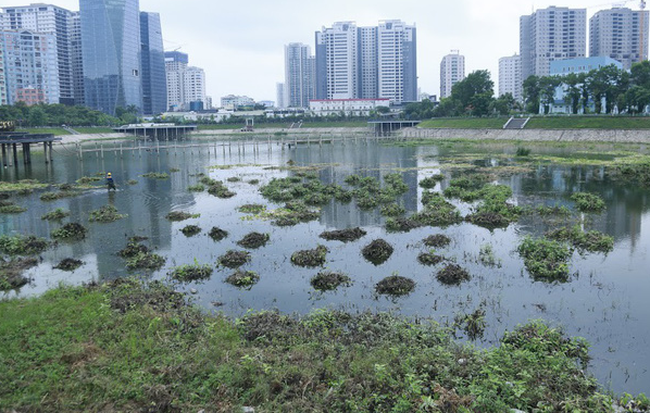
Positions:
{"x": 27, "y": 157}
{"x": 4, "y": 155}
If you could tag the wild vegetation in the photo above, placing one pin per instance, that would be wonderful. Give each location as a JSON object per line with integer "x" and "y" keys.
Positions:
{"x": 243, "y": 279}
{"x": 330, "y": 280}
{"x": 105, "y": 214}
{"x": 310, "y": 258}
{"x": 546, "y": 260}
{"x": 191, "y": 230}
{"x": 191, "y": 272}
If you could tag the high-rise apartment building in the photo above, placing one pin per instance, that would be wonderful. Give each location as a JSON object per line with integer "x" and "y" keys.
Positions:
{"x": 52, "y": 20}
{"x": 621, "y": 34}
{"x": 31, "y": 67}
{"x": 4, "y": 100}
{"x": 154, "y": 81}
{"x": 280, "y": 96}
{"x": 510, "y": 80}
{"x": 337, "y": 62}
{"x": 452, "y": 71}
{"x": 299, "y": 75}
{"x": 367, "y": 62}
{"x": 368, "y": 58}
{"x": 76, "y": 54}
{"x": 396, "y": 62}
{"x": 554, "y": 33}
{"x": 185, "y": 84}
{"x": 110, "y": 39}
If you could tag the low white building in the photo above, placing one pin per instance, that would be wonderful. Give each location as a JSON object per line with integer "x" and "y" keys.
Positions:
{"x": 198, "y": 116}
{"x": 348, "y": 107}
{"x": 232, "y": 102}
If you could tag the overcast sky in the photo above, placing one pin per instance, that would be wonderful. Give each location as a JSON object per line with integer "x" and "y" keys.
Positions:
{"x": 241, "y": 44}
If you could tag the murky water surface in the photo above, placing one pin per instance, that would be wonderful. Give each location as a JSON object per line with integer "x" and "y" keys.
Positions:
{"x": 606, "y": 300}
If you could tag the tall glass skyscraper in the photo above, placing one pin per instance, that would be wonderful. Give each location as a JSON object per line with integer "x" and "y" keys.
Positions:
{"x": 154, "y": 82}
{"x": 110, "y": 37}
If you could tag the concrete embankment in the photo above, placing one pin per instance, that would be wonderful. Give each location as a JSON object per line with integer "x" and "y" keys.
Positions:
{"x": 533, "y": 135}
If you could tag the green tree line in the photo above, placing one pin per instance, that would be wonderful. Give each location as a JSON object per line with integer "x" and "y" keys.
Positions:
{"x": 608, "y": 88}
{"x": 57, "y": 115}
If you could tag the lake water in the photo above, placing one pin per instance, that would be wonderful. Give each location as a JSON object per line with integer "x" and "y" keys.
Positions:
{"x": 605, "y": 301}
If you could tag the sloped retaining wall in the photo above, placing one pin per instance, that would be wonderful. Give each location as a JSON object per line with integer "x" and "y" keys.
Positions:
{"x": 532, "y": 135}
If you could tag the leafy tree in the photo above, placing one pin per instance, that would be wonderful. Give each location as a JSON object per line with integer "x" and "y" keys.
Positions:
{"x": 37, "y": 117}
{"x": 474, "y": 93}
{"x": 637, "y": 98}
{"x": 532, "y": 94}
{"x": 547, "y": 86}
{"x": 572, "y": 91}
{"x": 504, "y": 105}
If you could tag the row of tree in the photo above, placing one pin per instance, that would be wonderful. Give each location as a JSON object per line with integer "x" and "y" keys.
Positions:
{"x": 609, "y": 89}
{"x": 57, "y": 115}
{"x": 604, "y": 90}
{"x": 472, "y": 96}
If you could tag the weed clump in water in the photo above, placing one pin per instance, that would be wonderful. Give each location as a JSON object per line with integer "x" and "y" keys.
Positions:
{"x": 196, "y": 188}
{"x": 545, "y": 260}
{"x": 590, "y": 241}
{"x": 132, "y": 182}
{"x": 252, "y": 209}
{"x": 217, "y": 188}
{"x": 494, "y": 211}
{"x": 11, "y": 272}
{"x": 71, "y": 231}
{"x": 7, "y": 207}
{"x": 22, "y": 245}
{"x": 310, "y": 258}
{"x": 68, "y": 264}
{"x": 254, "y": 240}
{"x": 234, "y": 259}
{"x": 56, "y": 215}
{"x": 395, "y": 285}
{"x": 437, "y": 241}
{"x": 243, "y": 279}
{"x": 453, "y": 274}
{"x": 294, "y": 213}
{"x": 473, "y": 324}
{"x": 105, "y": 214}
{"x": 344, "y": 235}
{"x": 377, "y": 252}
{"x": 437, "y": 213}
{"x": 432, "y": 181}
{"x": 329, "y": 280}
{"x": 191, "y": 272}
{"x": 156, "y": 175}
{"x": 54, "y": 196}
{"x": 392, "y": 210}
{"x": 191, "y": 230}
{"x": 133, "y": 248}
{"x": 177, "y": 216}
{"x": 148, "y": 261}
{"x": 429, "y": 258}
{"x": 586, "y": 202}
{"x": 217, "y": 234}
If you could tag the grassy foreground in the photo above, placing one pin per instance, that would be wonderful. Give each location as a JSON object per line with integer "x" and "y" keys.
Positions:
{"x": 130, "y": 347}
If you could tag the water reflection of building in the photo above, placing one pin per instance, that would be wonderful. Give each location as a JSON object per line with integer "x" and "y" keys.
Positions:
{"x": 554, "y": 185}
{"x": 369, "y": 160}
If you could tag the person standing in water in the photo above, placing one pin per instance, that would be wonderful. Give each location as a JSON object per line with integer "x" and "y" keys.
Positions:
{"x": 110, "y": 182}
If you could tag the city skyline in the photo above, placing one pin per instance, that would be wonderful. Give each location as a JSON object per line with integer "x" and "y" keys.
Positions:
{"x": 242, "y": 52}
